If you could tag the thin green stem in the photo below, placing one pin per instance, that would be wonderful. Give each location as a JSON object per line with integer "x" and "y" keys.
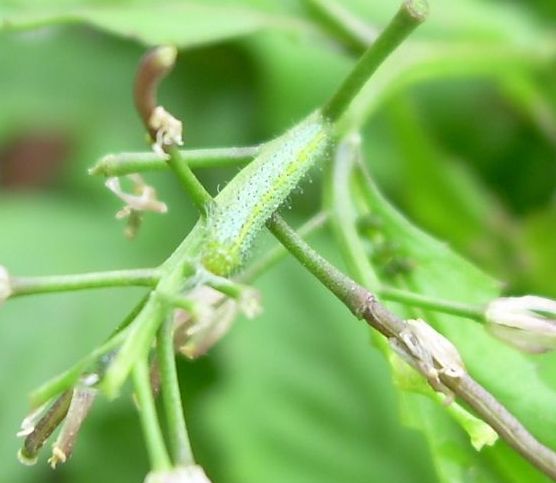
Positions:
{"x": 410, "y": 15}
{"x": 474, "y": 312}
{"x": 147, "y": 277}
{"x": 343, "y": 216}
{"x": 156, "y": 449}
{"x": 70, "y": 376}
{"x": 338, "y": 283}
{"x": 137, "y": 344}
{"x": 139, "y": 162}
{"x": 278, "y": 252}
{"x": 180, "y": 446}
{"x": 178, "y": 301}
{"x": 201, "y": 197}
{"x": 226, "y": 286}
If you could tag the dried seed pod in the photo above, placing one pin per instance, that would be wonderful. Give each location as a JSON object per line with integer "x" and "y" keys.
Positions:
{"x": 81, "y": 402}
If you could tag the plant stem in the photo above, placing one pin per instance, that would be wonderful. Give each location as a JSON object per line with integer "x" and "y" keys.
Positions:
{"x": 128, "y": 163}
{"x": 180, "y": 446}
{"x": 201, "y": 197}
{"x": 278, "y": 252}
{"x": 147, "y": 277}
{"x": 70, "y": 376}
{"x": 474, "y": 312}
{"x": 179, "y": 301}
{"x": 137, "y": 345}
{"x": 343, "y": 216}
{"x": 364, "y": 305}
{"x": 147, "y": 414}
{"x": 409, "y": 16}
{"x": 338, "y": 283}
{"x": 505, "y": 424}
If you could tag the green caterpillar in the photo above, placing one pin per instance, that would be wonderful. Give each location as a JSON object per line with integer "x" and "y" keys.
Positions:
{"x": 245, "y": 204}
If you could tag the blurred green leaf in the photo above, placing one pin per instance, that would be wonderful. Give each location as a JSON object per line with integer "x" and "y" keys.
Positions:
{"x": 511, "y": 376}
{"x": 450, "y": 200}
{"x": 185, "y": 24}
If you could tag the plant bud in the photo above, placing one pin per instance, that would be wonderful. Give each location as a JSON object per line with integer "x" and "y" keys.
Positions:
{"x": 527, "y": 323}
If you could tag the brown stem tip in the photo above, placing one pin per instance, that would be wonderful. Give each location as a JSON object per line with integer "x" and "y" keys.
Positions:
{"x": 417, "y": 9}
{"x": 164, "y": 130}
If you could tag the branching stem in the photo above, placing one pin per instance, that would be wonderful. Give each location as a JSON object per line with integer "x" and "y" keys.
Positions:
{"x": 278, "y": 252}
{"x": 475, "y": 312}
{"x": 200, "y": 196}
{"x": 147, "y": 414}
{"x": 338, "y": 202}
{"x": 180, "y": 446}
{"x": 139, "y": 162}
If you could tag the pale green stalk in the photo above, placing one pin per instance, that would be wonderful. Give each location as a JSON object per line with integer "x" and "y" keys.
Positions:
{"x": 180, "y": 446}
{"x": 20, "y": 286}
{"x": 156, "y": 449}
{"x": 137, "y": 162}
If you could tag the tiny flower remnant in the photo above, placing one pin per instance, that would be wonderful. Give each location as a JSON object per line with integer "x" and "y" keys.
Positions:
{"x": 168, "y": 130}
{"x": 143, "y": 197}
{"x": 527, "y": 323}
{"x": 5, "y": 286}
{"x": 430, "y": 353}
{"x": 30, "y": 421}
{"x": 196, "y": 335}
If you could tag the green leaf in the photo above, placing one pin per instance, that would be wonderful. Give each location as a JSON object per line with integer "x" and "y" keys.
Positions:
{"x": 452, "y": 202}
{"x": 511, "y": 376}
{"x": 184, "y": 24}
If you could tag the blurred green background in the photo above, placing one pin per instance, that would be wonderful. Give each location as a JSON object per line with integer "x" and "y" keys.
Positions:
{"x": 299, "y": 395}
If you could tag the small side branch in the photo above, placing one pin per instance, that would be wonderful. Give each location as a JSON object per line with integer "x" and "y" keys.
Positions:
{"x": 180, "y": 446}
{"x": 278, "y": 252}
{"x": 21, "y": 286}
{"x": 189, "y": 182}
{"x": 147, "y": 414}
{"x": 140, "y": 162}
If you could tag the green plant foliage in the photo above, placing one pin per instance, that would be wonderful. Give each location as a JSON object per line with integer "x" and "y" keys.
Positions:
{"x": 459, "y": 132}
{"x": 186, "y": 24}
{"x": 438, "y": 271}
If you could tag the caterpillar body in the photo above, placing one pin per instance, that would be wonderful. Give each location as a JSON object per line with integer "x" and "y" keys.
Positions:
{"x": 242, "y": 208}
